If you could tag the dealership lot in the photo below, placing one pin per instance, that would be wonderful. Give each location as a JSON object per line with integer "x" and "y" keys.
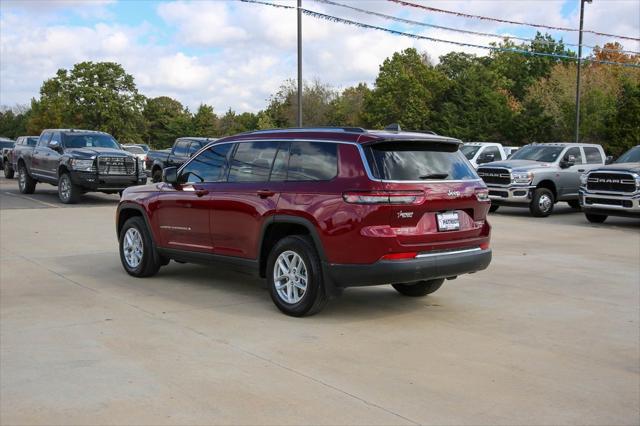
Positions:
{"x": 549, "y": 334}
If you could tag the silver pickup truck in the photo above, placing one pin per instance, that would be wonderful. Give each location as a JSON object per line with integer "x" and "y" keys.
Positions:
{"x": 612, "y": 190}
{"x": 539, "y": 175}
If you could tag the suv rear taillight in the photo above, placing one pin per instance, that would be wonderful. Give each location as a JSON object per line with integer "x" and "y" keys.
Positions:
{"x": 384, "y": 197}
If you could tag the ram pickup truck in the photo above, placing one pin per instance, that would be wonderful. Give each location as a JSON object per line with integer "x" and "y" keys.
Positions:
{"x": 539, "y": 175}
{"x": 612, "y": 190}
{"x": 483, "y": 152}
{"x": 182, "y": 150}
{"x": 78, "y": 161}
{"x": 9, "y": 154}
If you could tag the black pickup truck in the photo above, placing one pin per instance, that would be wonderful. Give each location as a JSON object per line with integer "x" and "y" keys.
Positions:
{"x": 77, "y": 161}
{"x": 182, "y": 150}
{"x": 9, "y": 154}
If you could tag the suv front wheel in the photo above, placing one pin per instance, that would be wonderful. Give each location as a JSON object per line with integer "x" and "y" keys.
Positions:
{"x": 419, "y": 289}
{"x": 137, "y": 253}
{"x": 542, "y": 202}
{"x": 294, "y": 276}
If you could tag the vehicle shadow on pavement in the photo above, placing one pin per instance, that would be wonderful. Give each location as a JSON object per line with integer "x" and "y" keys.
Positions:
{"x": 49, "y": 198}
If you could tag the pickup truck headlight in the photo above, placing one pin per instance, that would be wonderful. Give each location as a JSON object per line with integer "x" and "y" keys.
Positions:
{"x": 522, "y": 177}
{"x": 83, "y": 165}
{"x": 583, "y": 179}
{"x": 637, "y": 182}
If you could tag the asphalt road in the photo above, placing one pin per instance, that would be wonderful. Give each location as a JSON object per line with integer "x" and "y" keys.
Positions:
{"x": 549, "y": 334}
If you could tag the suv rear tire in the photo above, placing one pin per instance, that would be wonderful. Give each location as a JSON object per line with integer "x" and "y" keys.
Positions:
{"x": 493, "y": 208}
{"x": 419, "y": 289}
{"x": 595, "y": 218}
{"x": 26, "y": 184}
{"x": 68, "y": 192}
{"x": 542, "y": 202}
{"x": 294, "y": 276}
{"x": 156, "y": 176}
{"x": 137, "y": 252}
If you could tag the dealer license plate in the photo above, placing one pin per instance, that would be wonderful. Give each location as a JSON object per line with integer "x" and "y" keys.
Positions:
{"x": 448, "y": 221}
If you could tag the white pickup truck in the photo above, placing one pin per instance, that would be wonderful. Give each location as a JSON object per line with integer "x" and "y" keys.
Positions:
{"x": 483, "y": 152}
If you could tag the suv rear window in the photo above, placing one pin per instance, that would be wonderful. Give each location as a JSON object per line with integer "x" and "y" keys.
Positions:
{"x": 411, "y": 160}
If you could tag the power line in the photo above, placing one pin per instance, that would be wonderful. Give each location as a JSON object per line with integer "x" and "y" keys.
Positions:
{"x": 437, "y": 40}
{"x": 487, "y": 18}
{"x": 502, "y": 37}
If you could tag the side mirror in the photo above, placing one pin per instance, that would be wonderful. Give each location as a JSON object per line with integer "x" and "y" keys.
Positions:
{"x": 608, "y": 160}
{"x": 55, "y": 145}
{"x": 170, "y": 175}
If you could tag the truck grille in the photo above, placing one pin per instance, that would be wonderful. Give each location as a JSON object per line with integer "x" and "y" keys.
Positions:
{"x": 116, "y": 166}
{"x": 495, "y": 176}
{"x": 607, "y": 181}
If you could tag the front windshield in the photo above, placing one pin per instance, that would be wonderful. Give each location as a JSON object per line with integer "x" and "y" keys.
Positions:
{"x": 631, "y": 156}
{"x": 542, "y": 153}
{"x": 96, "y": 140}
{"x": 469, "y": 151}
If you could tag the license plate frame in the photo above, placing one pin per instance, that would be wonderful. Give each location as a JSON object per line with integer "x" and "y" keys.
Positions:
{"x": 448, "y": 221}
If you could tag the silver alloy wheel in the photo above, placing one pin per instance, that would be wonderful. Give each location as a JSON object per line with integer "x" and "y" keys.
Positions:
{"x": 544, "y": 202}
{"x": 65, "y": 188}
{"x": 133, "y": 247}
{"x": 290, "y": 276}
{"x": 22, "y": 178}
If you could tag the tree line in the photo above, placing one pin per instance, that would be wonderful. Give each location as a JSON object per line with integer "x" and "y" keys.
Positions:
{"x": 504, "y": 97}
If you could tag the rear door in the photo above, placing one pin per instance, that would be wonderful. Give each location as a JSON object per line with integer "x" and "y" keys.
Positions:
{"x": 432, "y": 192}
{"x": 246, "y": 199}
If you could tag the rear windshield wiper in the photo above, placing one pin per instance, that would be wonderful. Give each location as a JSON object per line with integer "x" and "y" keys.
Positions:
{"x": 435, "y": 176}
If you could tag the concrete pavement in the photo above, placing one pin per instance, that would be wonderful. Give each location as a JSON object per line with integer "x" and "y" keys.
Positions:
{"x": 549, "y": 334}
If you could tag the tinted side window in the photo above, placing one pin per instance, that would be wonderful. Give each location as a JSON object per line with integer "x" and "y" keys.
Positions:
{"x": 575, "y": 151}
{"x": 44, "y": 139}
{"x": 593, "y": 155}
{"x": 252, "y": 161}
{"x": 312, "y": 161}
{"x": 280, "y": 165}
{"x": 181, "y": 148}
{"x": 209, "y": 166}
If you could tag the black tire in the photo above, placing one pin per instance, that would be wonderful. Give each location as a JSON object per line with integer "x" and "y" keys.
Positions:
{"x": 596, "y": 218}
{"x": 26, "y": 184}
{"x": 419, "y": 289}
{"x": 493, "y": 208}
{"x": 156, "y": 175}
{"x": 574, "y": 204}
{"x": 314, "y": 297}
{"x": 150, "y": 261}
{"x": 542, "y": 202}
{"x": 8, "y": 171}
{"x": 68, "y": 192}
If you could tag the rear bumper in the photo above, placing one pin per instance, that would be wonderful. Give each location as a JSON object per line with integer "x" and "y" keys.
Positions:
{"x": 510, "y": 195}
{"x": 427, "y": 266}
{"x": 106, "y": 183}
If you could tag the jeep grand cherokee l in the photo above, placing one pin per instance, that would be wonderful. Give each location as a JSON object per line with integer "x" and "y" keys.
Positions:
{"x": 314, "y": 211}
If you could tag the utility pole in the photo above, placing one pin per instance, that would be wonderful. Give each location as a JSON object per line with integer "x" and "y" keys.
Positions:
{"x": 300, "y": 63}
{"x": 582, "y": 2}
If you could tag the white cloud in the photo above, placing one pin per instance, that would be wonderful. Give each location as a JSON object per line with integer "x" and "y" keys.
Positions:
{"x": 231, "y": 54}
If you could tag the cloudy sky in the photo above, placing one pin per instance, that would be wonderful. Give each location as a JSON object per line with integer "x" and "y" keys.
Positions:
{"x": 231, "y": 54}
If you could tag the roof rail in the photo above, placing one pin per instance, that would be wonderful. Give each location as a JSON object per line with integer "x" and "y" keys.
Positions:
{"x": 393, "y": 127}
{"x": 308, "y": 129}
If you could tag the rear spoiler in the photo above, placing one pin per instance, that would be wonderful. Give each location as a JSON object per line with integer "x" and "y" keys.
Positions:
{"x": 435, "y": 144}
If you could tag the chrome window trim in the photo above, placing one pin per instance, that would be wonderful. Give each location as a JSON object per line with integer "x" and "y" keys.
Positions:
{"x": 358, "y": 146}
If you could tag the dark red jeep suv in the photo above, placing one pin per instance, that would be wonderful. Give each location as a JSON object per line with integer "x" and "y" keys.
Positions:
{"x": 315, "y": 211}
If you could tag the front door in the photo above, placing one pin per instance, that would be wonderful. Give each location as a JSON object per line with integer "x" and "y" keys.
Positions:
{"x": 570, "y": 176}
{"x": 183, "y": 215}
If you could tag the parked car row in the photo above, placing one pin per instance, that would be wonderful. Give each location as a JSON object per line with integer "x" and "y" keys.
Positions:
{"x": 181, "y": 151}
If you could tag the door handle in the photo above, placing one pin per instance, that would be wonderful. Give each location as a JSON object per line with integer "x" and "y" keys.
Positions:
{"x": 581, "y": 170}
{"x": 264, "y": 193}
{"x": 201, "y": 192}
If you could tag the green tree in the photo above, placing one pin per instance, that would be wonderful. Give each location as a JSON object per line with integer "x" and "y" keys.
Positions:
{"x": 205, "y": 122}
{"x": 231, "y": 123}
{"x": 348, "y": 108}
{"x": 166, "y": 120}
{"x": 624, "y": 126}
{"x": 97, "y": 96}
{"x": 13, "y": 122}
{"x": 316, "y": 104}
{"x": 405, "y": 92}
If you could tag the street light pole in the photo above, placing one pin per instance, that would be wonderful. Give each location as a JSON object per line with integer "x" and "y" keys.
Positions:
{"x": 299, "y": 63}
{"x": 582, "y": 2}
